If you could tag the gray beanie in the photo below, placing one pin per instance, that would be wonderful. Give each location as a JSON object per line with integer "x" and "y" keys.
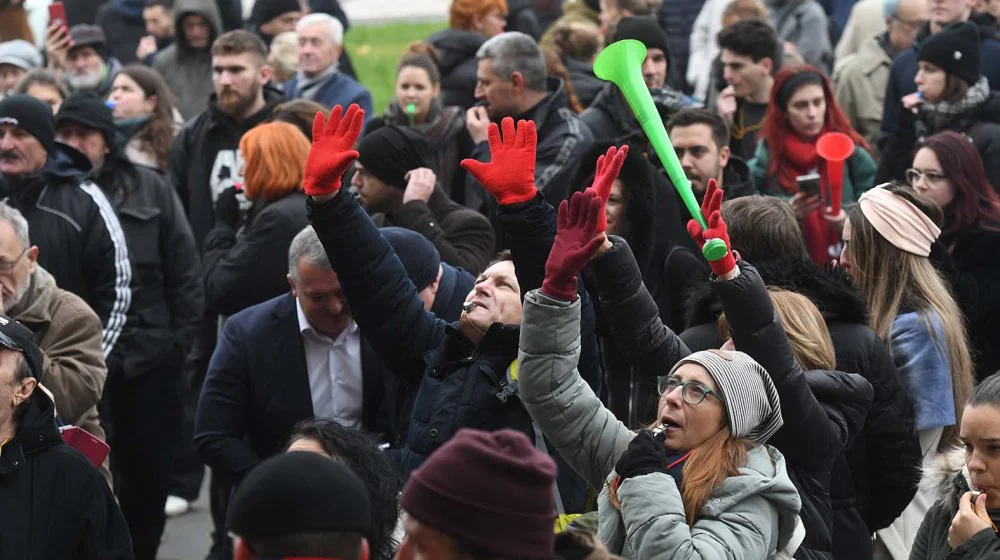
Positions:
{"x": 752, "y": 405}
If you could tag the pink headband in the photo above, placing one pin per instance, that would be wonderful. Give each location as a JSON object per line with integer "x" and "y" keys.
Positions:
{"x": 899, "y": 221}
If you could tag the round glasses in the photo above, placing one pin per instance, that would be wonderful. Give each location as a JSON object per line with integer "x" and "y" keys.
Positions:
{"x": 914, "y": 175}
{"x": 691, "y": 391}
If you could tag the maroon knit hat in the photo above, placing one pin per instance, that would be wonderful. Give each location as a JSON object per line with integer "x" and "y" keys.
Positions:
{"x": 490, "y": 490}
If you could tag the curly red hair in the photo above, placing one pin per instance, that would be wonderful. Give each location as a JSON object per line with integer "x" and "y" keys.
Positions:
{"x": 274, "y": 160}
{"x": 463, "y": 12}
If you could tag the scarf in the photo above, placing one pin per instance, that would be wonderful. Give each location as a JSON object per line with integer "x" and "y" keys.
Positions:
{"x": 800, "y": 158}
{"x": 308, "y": 87}
{"x": 939, "y": 115}
{"x": 441, "y": 124}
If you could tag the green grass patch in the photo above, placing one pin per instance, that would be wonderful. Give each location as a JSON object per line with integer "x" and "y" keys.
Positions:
{"x": 375, "y": 51}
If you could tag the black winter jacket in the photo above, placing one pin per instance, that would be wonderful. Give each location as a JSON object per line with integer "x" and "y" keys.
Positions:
{"x": 457, "y": 64}
{"x": 586, "y": 85}
{"x": 247, "y": 269}
{"x": 205, "y": 160}
{"x": 877, "y": 477}
{"x": 79, "y": 237}
{"x": 167, "y": 295}
{"x": 53, "y": 502}
{"x": 456, "y": 382}
{"x": 609, "y": 117}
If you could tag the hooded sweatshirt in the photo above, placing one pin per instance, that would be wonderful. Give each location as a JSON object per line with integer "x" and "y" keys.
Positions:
{"x": 186, "y": 70}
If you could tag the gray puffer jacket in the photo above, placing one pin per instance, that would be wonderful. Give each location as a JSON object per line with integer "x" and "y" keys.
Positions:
{"x": 751, "y": 516}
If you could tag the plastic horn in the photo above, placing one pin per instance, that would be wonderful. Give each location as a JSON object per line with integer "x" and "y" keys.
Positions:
{"x": 621, "y": 63}
{"x": 410, "y": 110}
{"x": 835, "y": 148}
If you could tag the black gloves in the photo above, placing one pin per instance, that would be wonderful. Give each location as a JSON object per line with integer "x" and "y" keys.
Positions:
{"x": 227, "y": 208}
{"x": 645, "y": 454}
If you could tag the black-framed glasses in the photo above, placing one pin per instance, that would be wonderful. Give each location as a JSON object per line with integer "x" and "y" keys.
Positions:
{"x": 914, "y": 175}
{"x": 6, "y": 267}
{"x": 691, "y": 391}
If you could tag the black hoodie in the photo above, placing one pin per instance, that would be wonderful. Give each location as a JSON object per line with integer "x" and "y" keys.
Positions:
{"x": 457, "y": 63}
{"x": 55, "y": 504}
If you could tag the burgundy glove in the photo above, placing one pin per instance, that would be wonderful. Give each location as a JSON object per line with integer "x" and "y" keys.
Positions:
{"x": 332, "y": 149}
{"x": 608, "y": 166}
{"x": 711, "y": 208}
{"x": 577, "y": 240}
{"x": 510, "y": 174}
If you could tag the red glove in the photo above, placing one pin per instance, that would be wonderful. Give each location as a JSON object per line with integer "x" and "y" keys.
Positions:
{"x": 510, "y": 175}
{"x": 332, "y": 149}
{"x": 608, "y": 166}
{"x": 577, "y": 240}
{"x": 711, "y": 208}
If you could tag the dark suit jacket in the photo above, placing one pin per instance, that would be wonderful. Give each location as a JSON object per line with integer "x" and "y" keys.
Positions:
{"x": 257, "y": 389}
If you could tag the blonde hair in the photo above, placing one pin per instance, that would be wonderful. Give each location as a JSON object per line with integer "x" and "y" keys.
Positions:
{"x": 274, "y": 160}
{"x": 892, "y": 279}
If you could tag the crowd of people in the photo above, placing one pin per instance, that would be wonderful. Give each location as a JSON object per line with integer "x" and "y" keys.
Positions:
{"x": 480, "y": 322}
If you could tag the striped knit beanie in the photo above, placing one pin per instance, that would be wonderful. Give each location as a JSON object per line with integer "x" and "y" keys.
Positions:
{"x": 752, "y": 405}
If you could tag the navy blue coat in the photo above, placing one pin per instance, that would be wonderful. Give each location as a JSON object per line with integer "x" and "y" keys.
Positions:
{"x": 340, "y": 90}
{"x": 456, "y": 382}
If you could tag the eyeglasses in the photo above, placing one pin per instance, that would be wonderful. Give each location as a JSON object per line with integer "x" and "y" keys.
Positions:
{"x": 914, "y": 175}
{"x": 7, "y": 267}
{"x": 691, "y": 391}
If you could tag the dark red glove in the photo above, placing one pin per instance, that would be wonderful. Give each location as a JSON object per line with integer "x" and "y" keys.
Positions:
{"x": 577, "y": 240}
{"x": 332, "y": 149}
{"x": 711, "y": 208}
{"x": 608, "y": 166}
{"x": 510, "y": 174}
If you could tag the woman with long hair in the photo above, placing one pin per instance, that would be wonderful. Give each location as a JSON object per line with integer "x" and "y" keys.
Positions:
{"x": 246, "y": 254}
{"x": 948, "y": 170}
{"x": 966, "y": 483}
{"x": 361, "y": 453}
{"x": 802, "y": 109}
{"x": 952, "y": 94}
{"x": 887, "y": 241}
{"x": 418, "y": 103}
{"x": 144, "y": 112}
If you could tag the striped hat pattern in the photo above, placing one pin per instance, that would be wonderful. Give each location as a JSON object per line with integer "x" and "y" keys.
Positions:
{"x": 752, "y": 404}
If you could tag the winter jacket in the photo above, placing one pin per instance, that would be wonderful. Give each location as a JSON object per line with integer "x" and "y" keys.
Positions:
{"x": 948, "y": 476}
{"x": 980, "y": 124}
{"x": 79, "y": 236}
{"x": 123, "y": 25}
{"x": 864, "y": 22}
{"x": 69, "y": 335}
{"x": 457, "y": 383}
{"x": 187, "y": 71}
{"x": 877, "y": 477}
{"x": 458, "y": 64}
{"x": 609, "y": 117}
{"x": 585, "y": 84}
{"x": 562, "y": 141}
{"x": 338, "y": 89}
{"x": 246, "y": 269}
{"x": 463, "y": 237}
{"x": 55, "y": 503}
{"x": 904, "y": 70}
{"x": 859, "y": 84}
{"x": 205, "y": 159}
{"x": 677, "y": 20}
{"x": 749, "y": 516}
{"x": 859, "y": 174}
{"x": 167, "y": 295}
{"x": 804, "y": 24}
{"x": 521, "y": 17}
{"x": 449, "y": 141}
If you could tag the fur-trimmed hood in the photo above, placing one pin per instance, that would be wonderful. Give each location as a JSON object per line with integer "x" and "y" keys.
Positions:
{"x": 947, "y": 477}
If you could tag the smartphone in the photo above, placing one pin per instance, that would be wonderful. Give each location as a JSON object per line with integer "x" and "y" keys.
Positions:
{"x": 57, "y": 14}
{"x": 83, "y": 441}
{"x": 808, "y": 184}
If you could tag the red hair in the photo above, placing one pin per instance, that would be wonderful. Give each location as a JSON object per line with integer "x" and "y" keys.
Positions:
{"x": 463, "y": 12}
{"x": 976, "y": 204}
{"x": 776, "y": 125}
{"x": 274, "y": 160}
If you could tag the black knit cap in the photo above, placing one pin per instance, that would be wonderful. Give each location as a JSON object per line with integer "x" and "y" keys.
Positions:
{"x": 954, "y": 49}
{"x": 17, "y": 337}
{"x": 299, "y": 492}
{"x": 390, "y": 152}
{"x": 30, "y": 115}
{"x": 419, "y": 256}
{"x": 88, "y": 109}
{"x": 644, "y": 30}
{"x": 266, "y": 10}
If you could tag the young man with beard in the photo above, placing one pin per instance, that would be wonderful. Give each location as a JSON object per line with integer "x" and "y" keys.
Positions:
{"x": 701, "y": 140}
{"x": 205, "y": 157}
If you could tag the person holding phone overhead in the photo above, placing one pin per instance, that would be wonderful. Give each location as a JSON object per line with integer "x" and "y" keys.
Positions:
{"x": 786, "y": 164}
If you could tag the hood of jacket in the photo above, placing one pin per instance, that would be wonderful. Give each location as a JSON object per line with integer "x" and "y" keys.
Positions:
{"x": 208, "y": 9}
{"x": 33, "y": 309}
{"x": 36, "y": 430}
{"x": 832, "y": 292}
{"x": 947, "y": 476}
{"x": 455, "y": 46}
{"x": 65, "y": 165}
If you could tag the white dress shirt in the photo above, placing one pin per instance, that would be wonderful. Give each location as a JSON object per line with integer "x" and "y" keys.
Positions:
{"x": 334, "y": 366}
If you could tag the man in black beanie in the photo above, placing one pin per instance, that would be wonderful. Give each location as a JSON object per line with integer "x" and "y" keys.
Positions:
{"x": 392, "y": 179}
{"x": 609, "y": 116}
{"x": 141, "y": 401}
{"x": 441, "y": 287}
{"x": 275, "y": 16}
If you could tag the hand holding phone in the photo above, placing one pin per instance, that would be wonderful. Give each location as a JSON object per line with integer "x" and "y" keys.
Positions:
{"x": 57, "y": 15}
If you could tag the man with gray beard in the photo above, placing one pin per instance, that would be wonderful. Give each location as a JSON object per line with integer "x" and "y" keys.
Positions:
{"x": 86, "y": 64}
{"x": 66, "y": 330}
